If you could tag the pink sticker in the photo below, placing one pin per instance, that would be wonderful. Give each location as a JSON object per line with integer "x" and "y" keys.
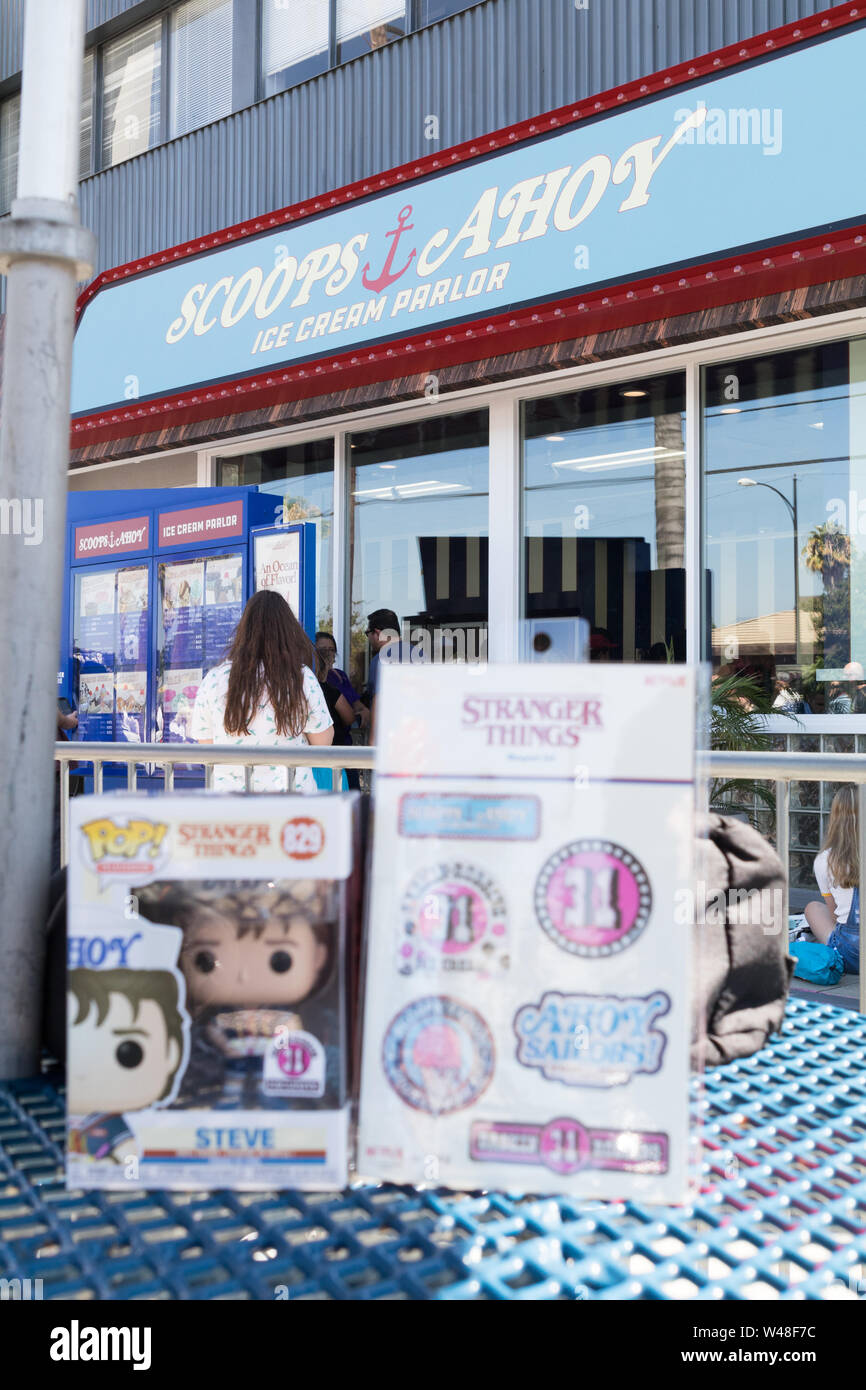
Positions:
{"x": 453, "y": 917}
{"x": 593, "y": 898}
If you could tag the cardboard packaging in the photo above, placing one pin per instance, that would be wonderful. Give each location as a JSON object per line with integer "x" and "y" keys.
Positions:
{"x": 209, "y": 947}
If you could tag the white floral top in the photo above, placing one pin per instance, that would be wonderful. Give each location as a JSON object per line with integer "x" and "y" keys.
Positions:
{"x": 207, "y": 723}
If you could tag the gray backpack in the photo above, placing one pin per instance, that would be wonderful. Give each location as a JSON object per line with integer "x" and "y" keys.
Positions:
{"x": 742, "y": 968}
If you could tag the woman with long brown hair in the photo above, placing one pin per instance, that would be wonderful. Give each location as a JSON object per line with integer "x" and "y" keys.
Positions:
{"x": 837, "y": 870}
{"x": 265, "y": 695}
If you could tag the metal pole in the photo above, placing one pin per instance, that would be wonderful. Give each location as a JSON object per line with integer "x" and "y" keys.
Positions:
{"x": 783, "y": 835}
{"x": 861, "y": 850}
{"x": 43, "y": 251}
{"x": 796, "y": 580}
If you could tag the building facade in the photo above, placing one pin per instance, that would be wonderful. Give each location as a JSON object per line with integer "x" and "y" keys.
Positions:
{"x": 673, "y": 454}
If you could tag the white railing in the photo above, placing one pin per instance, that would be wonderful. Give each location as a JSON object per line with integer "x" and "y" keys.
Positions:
{"x": 782, "y": 768}
{"x": 146, "y": 758}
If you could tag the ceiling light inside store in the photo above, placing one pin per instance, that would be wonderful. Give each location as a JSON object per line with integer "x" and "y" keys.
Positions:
{"x": 731, "y": 410}
{"x": 632, "y": 393}
{"x": 623, "y": 459}
{"x": 401, "y": 490}
{"x": 555, "y": 438}
{"x": 422, "y": 489}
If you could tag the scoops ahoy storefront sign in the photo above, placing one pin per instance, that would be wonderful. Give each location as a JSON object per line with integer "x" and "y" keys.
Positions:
{"x": 761, "y": 153}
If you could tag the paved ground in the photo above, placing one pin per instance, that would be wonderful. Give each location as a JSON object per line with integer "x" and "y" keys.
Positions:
{"x": 844, "y": 995}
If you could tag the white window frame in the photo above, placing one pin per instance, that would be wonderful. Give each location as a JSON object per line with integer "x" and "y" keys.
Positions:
{"x": 503, "y": 401}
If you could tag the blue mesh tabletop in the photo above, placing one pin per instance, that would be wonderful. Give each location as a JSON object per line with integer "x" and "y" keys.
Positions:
{"x": 781, "y": 1212}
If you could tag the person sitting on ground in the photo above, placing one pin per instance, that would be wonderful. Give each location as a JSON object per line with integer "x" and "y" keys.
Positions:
{"x": 837, "y": 870}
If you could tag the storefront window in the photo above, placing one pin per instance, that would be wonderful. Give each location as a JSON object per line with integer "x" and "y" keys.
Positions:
{"x": 604, "y": 518}
{"x": 785, "y": 527}
{"x": 301, "y": 477}
{"x": 419, "y": 529}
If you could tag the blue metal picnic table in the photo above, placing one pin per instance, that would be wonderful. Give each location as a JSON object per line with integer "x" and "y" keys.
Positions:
{"x": 781, "y": 1210}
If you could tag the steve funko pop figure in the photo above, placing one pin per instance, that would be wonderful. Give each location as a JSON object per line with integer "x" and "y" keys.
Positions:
{"x": 126, "y": 1044}
{"x": 257, "y": 960}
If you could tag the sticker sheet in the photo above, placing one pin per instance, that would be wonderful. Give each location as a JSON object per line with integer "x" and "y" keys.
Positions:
{"x": 526, "y": 1013}
{"x": 209, "y": 946}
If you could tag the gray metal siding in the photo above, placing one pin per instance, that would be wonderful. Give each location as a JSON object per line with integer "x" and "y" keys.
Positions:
{"x": 11, "y": 36}
{"x": 500, "y": 62}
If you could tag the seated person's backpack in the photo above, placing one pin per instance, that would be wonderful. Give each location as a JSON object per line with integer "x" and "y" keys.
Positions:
{"x": 816, "y": 962}
{"x": 742, "y": 968}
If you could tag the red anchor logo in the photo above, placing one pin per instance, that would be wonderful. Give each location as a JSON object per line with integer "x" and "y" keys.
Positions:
{"x": 386, "y": 278}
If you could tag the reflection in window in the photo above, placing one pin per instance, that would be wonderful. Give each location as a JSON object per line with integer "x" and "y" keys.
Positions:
{"x": 604, "y": 516}
{"x": 419, "y": 529}
{"x": 131, "y": 94}
{"x": 295, "y": 42}
{"x": 785, "y": 460}
{"x": 363, "y": 25}
{"x": 85, "y": 129}
{"x": 201, "y": 63}
{"x": 10, "y": 125}
{"x": 301, "y": 477}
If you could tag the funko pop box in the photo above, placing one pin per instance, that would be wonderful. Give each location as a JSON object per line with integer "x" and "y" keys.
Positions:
{"x": 211, "y": 945}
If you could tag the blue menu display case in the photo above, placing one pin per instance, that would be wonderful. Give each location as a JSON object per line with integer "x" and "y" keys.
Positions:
{"x": 156, "y": 582}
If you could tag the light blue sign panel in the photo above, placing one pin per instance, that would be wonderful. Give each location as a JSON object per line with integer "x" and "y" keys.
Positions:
{"x": 758, "y": 155}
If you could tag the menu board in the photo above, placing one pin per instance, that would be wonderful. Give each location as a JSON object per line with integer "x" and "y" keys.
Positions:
{"x": 278, "y": 566}
{"x": 201, "y": 604}
{"x": 182, "y": 586}
{"x": 96, "y": 616}
{"x": 96, "y": 706}
{"x": 130, "y": 703}
{"x": 132, "y": 618}
{"x": 224, "y": 592}
{"x": 176, "y": 699}
{"x": 110, "y": 640}
{"x": 527, "y": 1020}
